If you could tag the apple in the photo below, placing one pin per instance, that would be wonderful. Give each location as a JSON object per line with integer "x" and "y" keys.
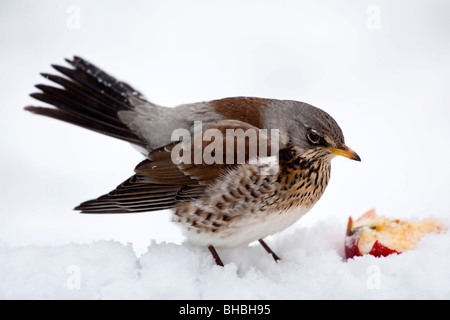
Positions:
{"x": 380, "y": 236}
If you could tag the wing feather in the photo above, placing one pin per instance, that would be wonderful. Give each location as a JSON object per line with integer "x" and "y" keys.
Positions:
{"x": 159, "y": 183}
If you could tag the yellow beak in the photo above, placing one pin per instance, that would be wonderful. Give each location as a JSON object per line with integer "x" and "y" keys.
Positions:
{"x": 345, "y": 152}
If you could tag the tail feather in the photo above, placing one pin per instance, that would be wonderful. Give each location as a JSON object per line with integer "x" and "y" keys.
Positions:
{"x": 88, "y": 97}
{"x": 86, "y": 123}
{"x": 75, "y": 88}
{"x": 114, "y": 88}
{"x": 98, "y": 84}
{"x": 78, "y": 104}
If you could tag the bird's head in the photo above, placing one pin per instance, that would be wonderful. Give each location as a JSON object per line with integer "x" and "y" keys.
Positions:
{"x": 311, "y": 130}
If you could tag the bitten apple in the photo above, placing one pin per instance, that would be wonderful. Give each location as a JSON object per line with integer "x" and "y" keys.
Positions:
{"x": 380, "y": 236}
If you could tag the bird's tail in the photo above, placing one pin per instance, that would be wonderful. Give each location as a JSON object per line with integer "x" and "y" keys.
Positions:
{"x": 88, "y": 97}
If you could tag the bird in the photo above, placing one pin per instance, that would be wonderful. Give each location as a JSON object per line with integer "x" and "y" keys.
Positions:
{"x": 220, "y": 204}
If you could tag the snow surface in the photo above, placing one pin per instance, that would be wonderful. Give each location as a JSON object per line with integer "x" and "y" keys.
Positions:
{"x": 312, "y": 267}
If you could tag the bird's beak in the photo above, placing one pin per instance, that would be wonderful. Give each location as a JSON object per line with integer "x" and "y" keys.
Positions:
{"x": 345, "y": 152}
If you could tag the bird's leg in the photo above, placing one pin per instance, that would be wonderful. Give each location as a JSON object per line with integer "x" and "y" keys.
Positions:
{"x": 266, "y": 247}
{"x": 215, "y": 255}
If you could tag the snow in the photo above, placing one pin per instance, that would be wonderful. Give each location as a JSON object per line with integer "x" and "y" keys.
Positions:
{"x": 312, "y": 267}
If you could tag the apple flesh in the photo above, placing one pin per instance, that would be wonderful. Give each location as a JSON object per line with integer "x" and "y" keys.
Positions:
{"x": 380, "y": 236}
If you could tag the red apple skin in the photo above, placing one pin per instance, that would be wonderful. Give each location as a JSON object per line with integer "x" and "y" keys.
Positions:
{"x": 352, "y": 241}
{"x": 378, "y": 250}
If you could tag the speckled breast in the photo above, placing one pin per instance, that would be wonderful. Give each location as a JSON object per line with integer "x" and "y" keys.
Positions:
{"x": 244, "y": 206}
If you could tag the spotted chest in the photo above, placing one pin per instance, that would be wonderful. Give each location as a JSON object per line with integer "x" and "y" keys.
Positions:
{"x": 244, "y": 205}
{"x": 302, "y": 181}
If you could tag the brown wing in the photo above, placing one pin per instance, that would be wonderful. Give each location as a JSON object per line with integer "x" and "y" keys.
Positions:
{"x": 218, "y": 154}
{"x": 163, "y": 182}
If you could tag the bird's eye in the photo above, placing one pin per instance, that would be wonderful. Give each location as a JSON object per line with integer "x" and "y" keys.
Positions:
{"x": 313, "y": 137}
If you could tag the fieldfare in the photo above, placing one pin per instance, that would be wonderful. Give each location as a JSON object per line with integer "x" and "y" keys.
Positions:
{"x": 229, "y": 182}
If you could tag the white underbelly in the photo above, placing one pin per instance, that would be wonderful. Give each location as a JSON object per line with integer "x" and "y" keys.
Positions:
{"x": 247, "y": 229}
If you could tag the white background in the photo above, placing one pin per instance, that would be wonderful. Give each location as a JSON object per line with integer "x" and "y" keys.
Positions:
{"x": 382, "y": 72}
